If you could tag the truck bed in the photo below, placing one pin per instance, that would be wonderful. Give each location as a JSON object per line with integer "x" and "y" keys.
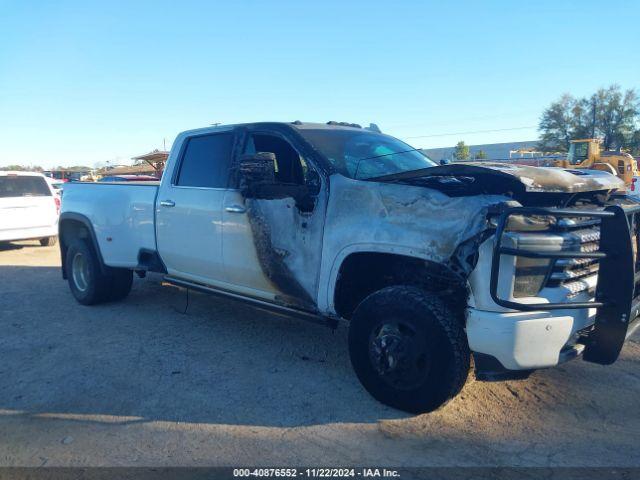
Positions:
{"x": 122, "y": 215}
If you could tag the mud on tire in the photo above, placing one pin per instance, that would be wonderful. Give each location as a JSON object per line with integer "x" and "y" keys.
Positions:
{"x": 408, "y": 349}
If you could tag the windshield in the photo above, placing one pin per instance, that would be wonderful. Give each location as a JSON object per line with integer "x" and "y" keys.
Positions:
{"x": 364, "y": 154}
{"x": 578, "y": 153}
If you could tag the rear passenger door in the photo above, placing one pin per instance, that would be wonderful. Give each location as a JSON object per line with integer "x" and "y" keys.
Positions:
{"x": 189, "y": 209}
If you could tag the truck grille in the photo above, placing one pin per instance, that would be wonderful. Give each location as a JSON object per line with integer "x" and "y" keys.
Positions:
{"x": 579, "y": 235}
{"x": 617, "y": 297}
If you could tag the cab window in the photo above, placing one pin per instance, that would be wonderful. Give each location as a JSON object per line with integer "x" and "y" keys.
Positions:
{"x": 291, "y": 168}
{"x": 578, "y": 153}
{"x": 206, "y": 160}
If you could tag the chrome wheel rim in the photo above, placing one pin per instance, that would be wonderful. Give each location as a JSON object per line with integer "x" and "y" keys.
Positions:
{"x": 80, "y": 272}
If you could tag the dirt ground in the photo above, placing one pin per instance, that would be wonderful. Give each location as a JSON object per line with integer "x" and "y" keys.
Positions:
{"x": 141, "y": 383}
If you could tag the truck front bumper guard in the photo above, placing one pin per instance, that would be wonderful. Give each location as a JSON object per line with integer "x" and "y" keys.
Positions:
{"x": 617, "y": 299}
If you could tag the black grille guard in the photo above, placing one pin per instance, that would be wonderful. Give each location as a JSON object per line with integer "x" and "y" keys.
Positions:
{"x": 616, "y": 299}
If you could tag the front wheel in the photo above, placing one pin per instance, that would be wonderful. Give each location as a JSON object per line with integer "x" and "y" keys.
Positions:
{"x": 408, "y": 349}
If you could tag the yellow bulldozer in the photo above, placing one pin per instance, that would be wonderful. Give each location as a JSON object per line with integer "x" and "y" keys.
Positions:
{"x": 587, "y": 153}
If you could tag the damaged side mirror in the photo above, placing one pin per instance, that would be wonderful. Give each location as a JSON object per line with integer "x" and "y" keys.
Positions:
{"x": 258, "y": 168}
{"x": 258, "y": 175}
{"x": 258, "y": 180}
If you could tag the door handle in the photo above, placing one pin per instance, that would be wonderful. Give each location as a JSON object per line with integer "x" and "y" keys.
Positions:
{"x": 235, "y": 209}
{"x": 168, "y": 203}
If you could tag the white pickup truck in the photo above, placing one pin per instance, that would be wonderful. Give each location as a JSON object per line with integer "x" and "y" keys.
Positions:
{"x": 520, "y": 267}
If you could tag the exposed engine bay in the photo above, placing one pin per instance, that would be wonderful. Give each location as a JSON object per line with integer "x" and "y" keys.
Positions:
{"x": 540, "y": 186}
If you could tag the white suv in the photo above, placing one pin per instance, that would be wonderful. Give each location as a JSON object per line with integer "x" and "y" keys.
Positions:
{"x": 29, "y": 208}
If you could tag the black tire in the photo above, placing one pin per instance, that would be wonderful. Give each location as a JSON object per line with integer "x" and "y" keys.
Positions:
{"x": 408, "y": 349}
{"x": 48, "y": 241}
{"x": 90, "y": 285}
{"x": 95, "y": 284}
{"x": 121, "y": 282}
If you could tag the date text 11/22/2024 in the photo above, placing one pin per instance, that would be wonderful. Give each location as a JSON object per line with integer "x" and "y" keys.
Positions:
{"x": 316, "y": 472}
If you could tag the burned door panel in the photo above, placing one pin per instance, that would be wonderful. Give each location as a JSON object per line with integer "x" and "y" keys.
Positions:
{"x": 275, "y": 245}
{"x": 288, "y": 243}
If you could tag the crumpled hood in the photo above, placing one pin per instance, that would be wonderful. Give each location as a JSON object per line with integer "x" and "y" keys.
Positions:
{"x": 533, "y": 179}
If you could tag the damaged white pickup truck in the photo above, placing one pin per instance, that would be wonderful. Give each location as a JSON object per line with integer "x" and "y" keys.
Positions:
{"x": 520, "y": 267}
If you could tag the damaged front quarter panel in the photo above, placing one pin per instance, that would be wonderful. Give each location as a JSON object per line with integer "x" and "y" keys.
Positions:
{"x": 402, "y": 219}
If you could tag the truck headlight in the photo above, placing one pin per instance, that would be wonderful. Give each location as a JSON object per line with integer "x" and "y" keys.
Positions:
{"x": 526, "y": 223}
{"x": 530, "y": 276}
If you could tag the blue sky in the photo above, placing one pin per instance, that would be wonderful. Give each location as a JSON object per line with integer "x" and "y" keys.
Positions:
{"x": 83, "y": 82}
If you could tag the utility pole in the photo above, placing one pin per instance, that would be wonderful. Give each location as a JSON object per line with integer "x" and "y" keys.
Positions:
{"x": 593, "y": 117}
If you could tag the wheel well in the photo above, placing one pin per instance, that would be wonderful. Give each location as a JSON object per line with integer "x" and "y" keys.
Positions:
{"x": 68, "y": 230}
{"x": 361, "y": 274}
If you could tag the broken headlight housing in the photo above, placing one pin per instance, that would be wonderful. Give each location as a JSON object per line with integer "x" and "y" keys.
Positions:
{"x": 526, "y": 223}
{"x": 530, "y": 233}
{"x": 530, "y": 276}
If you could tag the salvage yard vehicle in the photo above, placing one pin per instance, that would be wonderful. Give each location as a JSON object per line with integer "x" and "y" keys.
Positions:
{"x": 587, "y": 153}
{"x": 519, "y": 267}
{"x": 29, "y": 208}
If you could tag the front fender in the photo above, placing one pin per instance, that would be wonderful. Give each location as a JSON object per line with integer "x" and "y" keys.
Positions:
{"x": 331, "y": 269}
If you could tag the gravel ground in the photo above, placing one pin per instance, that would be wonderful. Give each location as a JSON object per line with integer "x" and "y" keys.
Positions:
{"x": 143, "y": 383}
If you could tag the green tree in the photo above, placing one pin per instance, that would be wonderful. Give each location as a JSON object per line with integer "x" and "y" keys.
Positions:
{"x": 634, "y": 144}
{"x": 556, "y": 124}
{"x": 13, "y": 167}
{"x": 610, "y": 113}
{"x": 616, "y": 115}
{"x": 582, "y": 123}
{"x": 22, "y": 168}
{"x": 480, "y": 155}
{"x": 461, "y": 151}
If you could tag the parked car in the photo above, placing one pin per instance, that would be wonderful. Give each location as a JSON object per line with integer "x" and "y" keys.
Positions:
{"x": 129, "y": 178}
{"x": 29, "y": 208}
{"x": 520, "y": 267}
{"x": 57, "y": 185}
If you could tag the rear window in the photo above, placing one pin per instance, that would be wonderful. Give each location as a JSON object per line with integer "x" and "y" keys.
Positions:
{"x": 23, "y": 186}
{"x": 206, "y": 161}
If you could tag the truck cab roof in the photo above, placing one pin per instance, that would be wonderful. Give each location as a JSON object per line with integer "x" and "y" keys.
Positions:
{"x": 331, "y": 125}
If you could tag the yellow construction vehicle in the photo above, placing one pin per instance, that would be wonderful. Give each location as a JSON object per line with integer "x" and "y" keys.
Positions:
{"x": 586, "y": 153}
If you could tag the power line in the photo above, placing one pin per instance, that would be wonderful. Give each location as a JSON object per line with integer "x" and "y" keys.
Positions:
{"x": 467, "y": 119}
{"x": 473, "y": 131}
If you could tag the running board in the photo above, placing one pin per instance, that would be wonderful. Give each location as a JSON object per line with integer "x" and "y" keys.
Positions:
{"x": 255, "y": 302}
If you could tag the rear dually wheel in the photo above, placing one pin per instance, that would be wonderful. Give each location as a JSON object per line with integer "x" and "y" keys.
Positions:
{"x": 89, "y": 281}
